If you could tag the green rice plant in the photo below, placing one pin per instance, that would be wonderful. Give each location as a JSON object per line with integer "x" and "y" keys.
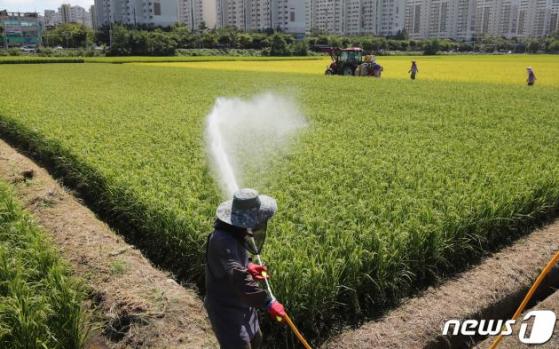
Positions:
{"x": 394, "y": 185}
{"x": 40, "y": 303}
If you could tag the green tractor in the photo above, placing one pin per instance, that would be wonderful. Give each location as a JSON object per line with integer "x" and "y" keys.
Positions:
{"x": 345, "y": 61}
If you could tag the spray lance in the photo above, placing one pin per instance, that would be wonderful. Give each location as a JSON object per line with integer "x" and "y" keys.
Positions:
{"x": 260, "y": 235}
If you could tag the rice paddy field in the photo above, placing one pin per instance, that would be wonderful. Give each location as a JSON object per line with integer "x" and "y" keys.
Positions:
{"x": 394, "y": 185}
{"x": 40, "y": 303}
{"x": 506, "y": 69}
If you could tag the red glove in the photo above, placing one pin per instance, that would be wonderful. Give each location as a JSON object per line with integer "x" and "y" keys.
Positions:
{"x": 257, "y": 271}
{"x": 276, "y": 311}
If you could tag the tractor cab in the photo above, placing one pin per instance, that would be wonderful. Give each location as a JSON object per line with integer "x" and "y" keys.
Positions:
{"x": 345, "y": 61}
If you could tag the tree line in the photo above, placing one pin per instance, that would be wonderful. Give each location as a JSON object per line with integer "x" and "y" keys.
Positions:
{"x": 122, "y": 40}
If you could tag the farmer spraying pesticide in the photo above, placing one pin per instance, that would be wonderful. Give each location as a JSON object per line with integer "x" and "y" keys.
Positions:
{"x": 233, "y": 296}
{"x": 233, "y": 292}
{"x": 413, "y": 70}
{"x": 531, "y": 76}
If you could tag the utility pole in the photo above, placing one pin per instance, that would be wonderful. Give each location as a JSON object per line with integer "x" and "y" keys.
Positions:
{"x": 110, "y": 32}
{"x": 66, "y": 37}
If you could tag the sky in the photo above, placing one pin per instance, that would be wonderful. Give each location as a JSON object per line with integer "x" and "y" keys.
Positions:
{"x": 40, "y": 5}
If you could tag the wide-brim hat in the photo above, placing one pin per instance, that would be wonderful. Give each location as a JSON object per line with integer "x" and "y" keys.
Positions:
{"x": 247, "y": 210}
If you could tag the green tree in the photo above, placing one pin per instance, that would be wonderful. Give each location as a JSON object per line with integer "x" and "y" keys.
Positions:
{"x": 431, "y": 47}
{"x": 69, "y": 35}
{"x": 300, "y": 48}
{"x": 278, "y": 46}
{"x": 533, "y": 46}
{"x": 203, "y": 27}
{"x": 553, "y": 46}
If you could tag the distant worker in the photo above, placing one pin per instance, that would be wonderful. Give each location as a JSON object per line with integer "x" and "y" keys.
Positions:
{"x": 232, "y": 292}
{"x": 531, "y": 76}
{"x": 377, "y": 70}
{"x": 413, "y": 70}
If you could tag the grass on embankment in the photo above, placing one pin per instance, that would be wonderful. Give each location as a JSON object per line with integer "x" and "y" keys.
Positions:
{"x": 40, "y": 303}
{"x": 146, "y": 59}
{"x": 38, "y": 60}
{"x": 28, "y": 59}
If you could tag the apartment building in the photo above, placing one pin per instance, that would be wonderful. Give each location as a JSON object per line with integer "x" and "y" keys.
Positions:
{"x": 462, "y": 19}
{"x": 231, "y": 13}
{"x": 379, "y": 17}
{"x": 369, "y": 16}
{"x": 352, "y": 15}
{"x": 289, "y": 16}
{"x": 554, "y": 17}
{"x": 71, "y": 14}
{"x": 326, "y": 16}
{"x": 136, "y": 12}
{"x": 516, "y": 18}
{"x": 417, "y": 18}
{"x": 194, "y": 13}
{"x": 51, "y": 18}
{"x": 390, "y": 17}
{"x": 258, "y": 14}
{"x": 253, "y": 15}
{"x": 92, "y": 15}
{"x": 102, "y": 12}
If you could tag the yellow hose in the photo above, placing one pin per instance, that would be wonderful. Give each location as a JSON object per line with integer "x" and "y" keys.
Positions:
{"x": 297, "y": 333}
{"x": 529, "y": 295}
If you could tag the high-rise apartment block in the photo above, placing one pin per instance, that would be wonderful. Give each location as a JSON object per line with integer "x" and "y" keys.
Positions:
{"x": 69, "y": 14}
{"x": 258, "y": 15}
{"x": 51, "y": 18}
{"x": 421, "y": 19}
{"x": 379, "y": 17}
{"x": 231, "y": 13}
{"x": 134, "y": 12}
{"x": 197, "y": 13}
{"x": 289, "y": 16}
{"x": 516, "y": 18}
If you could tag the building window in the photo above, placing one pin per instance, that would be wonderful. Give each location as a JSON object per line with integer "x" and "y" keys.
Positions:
{"x": 157, "y": 8}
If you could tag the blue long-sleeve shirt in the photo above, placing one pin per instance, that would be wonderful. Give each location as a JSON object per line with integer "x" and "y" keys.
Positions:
{"x": 232, "y": 296}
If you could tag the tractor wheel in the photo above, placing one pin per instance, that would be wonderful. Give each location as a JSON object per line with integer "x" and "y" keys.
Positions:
{"x": 348, "y": 71}
{"x": 329, "y": 72}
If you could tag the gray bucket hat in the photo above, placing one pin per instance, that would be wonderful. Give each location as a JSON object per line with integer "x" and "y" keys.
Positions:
{"x": 247, "y": 209}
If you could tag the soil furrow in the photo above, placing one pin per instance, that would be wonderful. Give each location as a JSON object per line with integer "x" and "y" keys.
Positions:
{"x": 139, "y": 305}
{"x": 491, "y": 289}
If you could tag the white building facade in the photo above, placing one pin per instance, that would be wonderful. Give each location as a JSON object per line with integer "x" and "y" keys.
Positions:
{"x": 68, "y": 14}
{"x": 51, "y": 18}
{"x": 516, "y": 18}
{"x": 421, "y": 19}
{"x": 353, "y": 17}
{"x": 136, "y": 12}
{"x": 197, "y": 13}
{"x": 289, "y": 16}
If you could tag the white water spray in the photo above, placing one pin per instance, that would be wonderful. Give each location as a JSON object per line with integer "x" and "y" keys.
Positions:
{"x": 243, "y": 136}
{"x": 217, "y": 150}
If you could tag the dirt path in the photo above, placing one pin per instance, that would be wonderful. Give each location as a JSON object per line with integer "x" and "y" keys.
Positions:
{"x": 140, "y": 305}
{"x": 513, "y": 342}
{"x": 495, "y": 285}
